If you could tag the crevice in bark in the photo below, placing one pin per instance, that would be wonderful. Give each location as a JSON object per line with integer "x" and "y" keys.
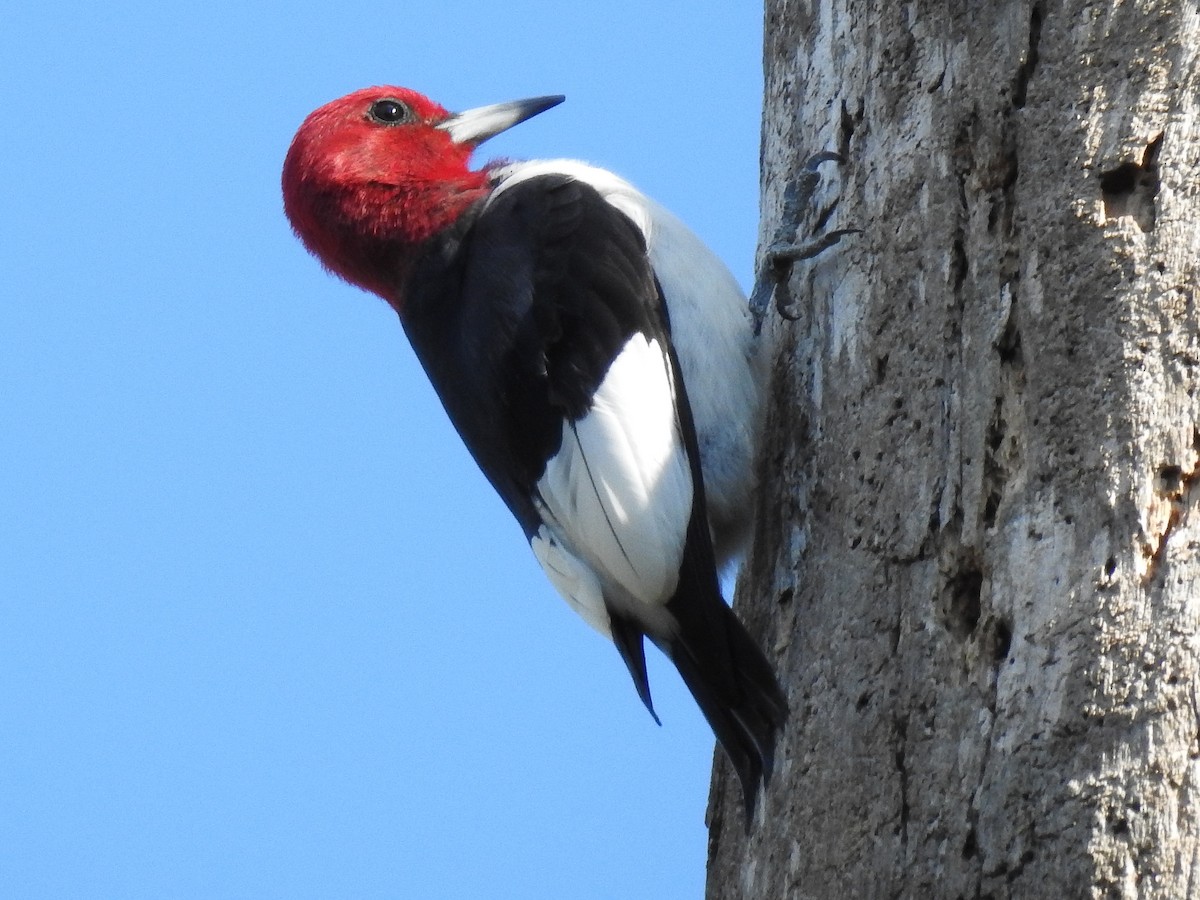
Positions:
{"x": 964, "y": 166}
{"x": 1029, "y": 64}
{"x": 1001, "y": 641}
{"x": 993, "y": 470}
{"x": 1002, "y": 449}
{"x": 1008, "y": 345}
{"x": 1130, "y": 189}
{"x": 901, "y": 726}
{"x": 848, "y": 124}
{"x": 1177, "y": 488}
{"x": 970, "y": 845}
{"x": 965, "y": 606}
{"x": 959, "y": 264}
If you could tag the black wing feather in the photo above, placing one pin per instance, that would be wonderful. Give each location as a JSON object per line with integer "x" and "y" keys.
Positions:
{"x": 516, "y": 316}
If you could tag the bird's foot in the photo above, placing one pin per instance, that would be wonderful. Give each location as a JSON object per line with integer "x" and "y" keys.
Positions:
{"x": 775, "y": 267}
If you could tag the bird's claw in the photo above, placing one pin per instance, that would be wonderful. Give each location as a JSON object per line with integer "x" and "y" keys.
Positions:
{"x": 780, "y": 252}
{"x": 784, "y": 250}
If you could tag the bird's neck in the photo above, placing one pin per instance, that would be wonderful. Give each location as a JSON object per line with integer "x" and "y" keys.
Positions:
{"x": 373, "y": 234}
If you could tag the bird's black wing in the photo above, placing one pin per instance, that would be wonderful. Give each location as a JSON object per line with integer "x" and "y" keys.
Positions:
{"x": 517, "y": 316}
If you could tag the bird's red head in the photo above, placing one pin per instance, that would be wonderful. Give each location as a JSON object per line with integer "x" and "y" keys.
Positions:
{"x": 371, "y": 177}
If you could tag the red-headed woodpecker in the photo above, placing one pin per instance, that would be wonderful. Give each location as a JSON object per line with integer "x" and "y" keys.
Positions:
{"x": 596, "y": 358}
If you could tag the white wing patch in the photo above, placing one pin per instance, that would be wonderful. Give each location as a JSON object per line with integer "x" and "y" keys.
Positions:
{"x": 618, "y": 495}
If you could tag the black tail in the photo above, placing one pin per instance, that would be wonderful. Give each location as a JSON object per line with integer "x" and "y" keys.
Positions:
{"x": 734, "y": 687}
{"x": 729, "y": 677}
{"x": 732, "y": 682}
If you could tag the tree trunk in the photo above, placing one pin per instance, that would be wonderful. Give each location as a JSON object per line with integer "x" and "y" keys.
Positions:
{"x": 977, "y": 562}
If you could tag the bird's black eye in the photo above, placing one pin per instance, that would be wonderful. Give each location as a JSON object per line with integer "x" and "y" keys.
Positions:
{"x": 389, "y": 112}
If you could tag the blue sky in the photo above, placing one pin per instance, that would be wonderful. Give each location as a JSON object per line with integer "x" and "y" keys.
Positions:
{"x": 264, "y": 629}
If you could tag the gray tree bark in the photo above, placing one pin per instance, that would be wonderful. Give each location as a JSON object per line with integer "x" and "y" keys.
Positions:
{"x": 976, "y": 561}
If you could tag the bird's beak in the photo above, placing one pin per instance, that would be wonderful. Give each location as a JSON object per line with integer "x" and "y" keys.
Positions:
{"x": 477, "y": 125}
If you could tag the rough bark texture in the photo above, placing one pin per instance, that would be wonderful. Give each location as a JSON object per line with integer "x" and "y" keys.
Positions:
{"x": 977, "y": 563}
